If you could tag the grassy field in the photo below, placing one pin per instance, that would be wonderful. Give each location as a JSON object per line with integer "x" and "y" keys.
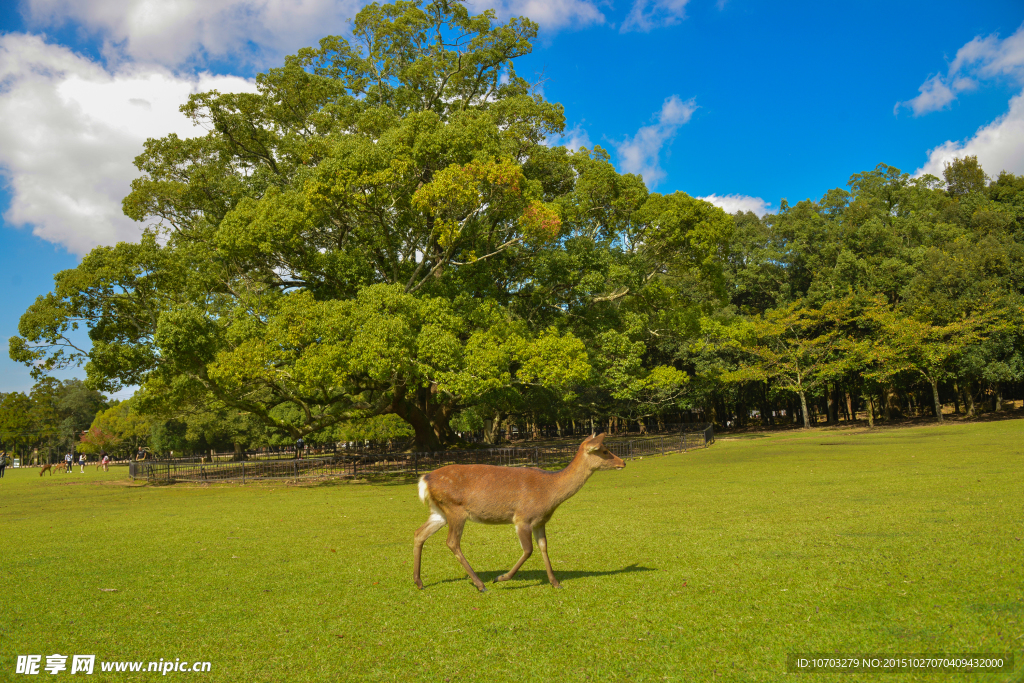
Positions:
{"x": 708, "y": 565}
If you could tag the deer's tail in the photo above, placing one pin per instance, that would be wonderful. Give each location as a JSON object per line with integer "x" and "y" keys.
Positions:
{"x": 435, "y": 510}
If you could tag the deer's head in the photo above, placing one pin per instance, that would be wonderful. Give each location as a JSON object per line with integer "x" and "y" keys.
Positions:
{"x": 599, "y": 457}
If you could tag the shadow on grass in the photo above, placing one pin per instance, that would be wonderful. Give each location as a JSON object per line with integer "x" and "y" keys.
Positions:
{"x": 538, "y": 577}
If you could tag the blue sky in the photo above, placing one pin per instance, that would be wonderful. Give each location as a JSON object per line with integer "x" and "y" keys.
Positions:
{"x": 739, "y": 101}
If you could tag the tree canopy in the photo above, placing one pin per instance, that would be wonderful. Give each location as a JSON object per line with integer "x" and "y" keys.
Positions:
{"x": 382, "y": 238}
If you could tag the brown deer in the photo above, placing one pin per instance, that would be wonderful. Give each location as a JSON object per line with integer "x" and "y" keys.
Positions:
{"x": 51, "y": 466}
{"x": 523, "y": 496}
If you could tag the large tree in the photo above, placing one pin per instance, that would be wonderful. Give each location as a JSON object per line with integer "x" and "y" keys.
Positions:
{"x": 379, "y": 229}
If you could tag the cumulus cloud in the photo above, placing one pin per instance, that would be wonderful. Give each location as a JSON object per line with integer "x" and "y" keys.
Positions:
{"x": 732, "y": 203}
{"x": 176, "y": 32}
{"x": 260, "y": 32}
{"x": 641, "y": 153}
{"x": 573, "y": 138}
{"x": 980, "y": 59}
{"x": 550, "y": 14}
{"x": 71, "y": 130}
{"x": 646, "y": 15}
{"x": 999, "y": 145}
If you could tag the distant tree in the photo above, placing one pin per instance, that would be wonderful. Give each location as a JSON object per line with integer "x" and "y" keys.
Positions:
{"x": 17, "y": 427}
{"x": 118, "y": 429}
{"x": 963, "y": 176}
{"x": 798, "y": 349}
{"x": 903, "y": 344}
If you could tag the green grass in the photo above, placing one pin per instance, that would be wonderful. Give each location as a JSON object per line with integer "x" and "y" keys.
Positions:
{"x": 708, "y": 565}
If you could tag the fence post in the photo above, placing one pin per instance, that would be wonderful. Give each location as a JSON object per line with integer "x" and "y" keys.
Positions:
{"x": 243, "y": 471}
{"x": 536, "y": 456}
{"x": 296, "y": 464}
{"x": 416, "y": 463}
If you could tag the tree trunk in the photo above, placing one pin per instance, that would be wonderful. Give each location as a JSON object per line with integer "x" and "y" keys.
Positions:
{"x": 830, "y": 405}
{"x": 870, "y": 410}
{"x": 803, "y": 409}
{"x": 935, "y": 396}
{"x": 425, "y": 439}
{"x": 956, "y": 398}
{"x": 765, "y": 410}
{"x": 492, "y": 429}
{"x": 439, "y": 418}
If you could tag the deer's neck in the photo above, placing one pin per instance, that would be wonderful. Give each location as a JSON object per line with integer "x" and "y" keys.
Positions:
{"x": 571, "y": 479}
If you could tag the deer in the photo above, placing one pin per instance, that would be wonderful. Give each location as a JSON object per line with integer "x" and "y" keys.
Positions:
{"x": 525, "y": 497}
{"x": 51, "y": 466}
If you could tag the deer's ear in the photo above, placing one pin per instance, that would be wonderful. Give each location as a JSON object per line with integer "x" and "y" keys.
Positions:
{"x": 595, "y": 442}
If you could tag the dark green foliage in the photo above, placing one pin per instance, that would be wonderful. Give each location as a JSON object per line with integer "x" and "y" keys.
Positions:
{"x": 380, "y": 232}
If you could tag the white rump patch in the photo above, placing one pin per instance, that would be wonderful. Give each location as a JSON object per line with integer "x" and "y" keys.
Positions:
{"x": 436, "y": 516}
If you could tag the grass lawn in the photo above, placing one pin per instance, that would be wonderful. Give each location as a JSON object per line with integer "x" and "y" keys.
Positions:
{"x": 708, "y": 565}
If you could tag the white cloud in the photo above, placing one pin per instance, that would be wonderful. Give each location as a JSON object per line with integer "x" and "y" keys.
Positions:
{"x": 174, "y": 32}
{"x": 573, "y": 139}
{"x": 71, "y": 130}
{"x": 980, "y": 59}
{"x": 550, "y": 14}
{"x": 640, "y": 154}
{"x": 732, "y": 203}
{"x": 999, "y": 145}
{"x": 935, "y": 95}
{"x": 178, "y": 32}
{"x": 649, "y": 14}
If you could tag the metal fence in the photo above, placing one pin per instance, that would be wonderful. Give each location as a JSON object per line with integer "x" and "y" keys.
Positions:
{"x": 399, "y": 466}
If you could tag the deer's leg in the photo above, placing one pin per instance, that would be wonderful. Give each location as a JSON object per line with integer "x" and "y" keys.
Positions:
{"x": 542, "y": 543}
{"x": 456, "y": 522}
{"x": 433, "y": 523}
{"x": 523, "y": 532}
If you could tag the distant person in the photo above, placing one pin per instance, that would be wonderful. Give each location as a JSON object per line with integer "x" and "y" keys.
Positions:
{"x": 105, "y": 461}
{"x": 68, "y": 462}
{"x": 3, "y": 463}
{"x": 81, "y": 461}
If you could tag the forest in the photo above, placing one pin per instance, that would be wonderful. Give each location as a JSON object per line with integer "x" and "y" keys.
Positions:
{"x": 383, "y": 243}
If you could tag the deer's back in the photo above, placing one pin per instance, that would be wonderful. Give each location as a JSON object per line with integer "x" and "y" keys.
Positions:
{"x": 493, "y": 494}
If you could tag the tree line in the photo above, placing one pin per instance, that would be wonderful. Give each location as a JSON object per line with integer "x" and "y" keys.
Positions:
{"x": 382, "y": 241}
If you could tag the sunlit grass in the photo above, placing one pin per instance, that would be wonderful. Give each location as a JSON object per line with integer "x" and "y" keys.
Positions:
{"x": 712, "y": 564}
